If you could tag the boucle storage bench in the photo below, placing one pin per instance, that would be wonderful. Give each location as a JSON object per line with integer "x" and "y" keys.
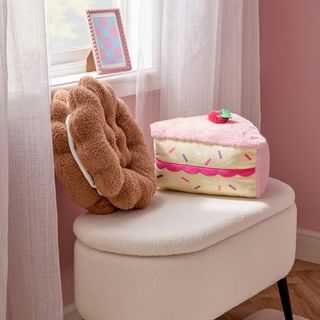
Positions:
{"x": 185, "y": 257}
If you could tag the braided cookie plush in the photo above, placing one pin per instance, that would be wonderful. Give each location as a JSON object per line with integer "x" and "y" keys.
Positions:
{"x": 99, "y": 151}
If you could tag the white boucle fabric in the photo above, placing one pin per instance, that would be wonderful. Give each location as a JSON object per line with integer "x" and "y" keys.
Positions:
{"x": 196, "y": 286}
{"x": 176, "y": 222}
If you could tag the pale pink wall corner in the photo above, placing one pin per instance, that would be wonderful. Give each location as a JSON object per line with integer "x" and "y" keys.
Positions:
{"x": 290, "y": 98}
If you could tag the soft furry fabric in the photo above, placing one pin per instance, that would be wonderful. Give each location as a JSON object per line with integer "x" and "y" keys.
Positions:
{"x": 109, "y": 144}
{"x": 262, "y": 168}
{"x": 200, "y": 285}
{"x": 237, "y": 132}
{"x": 178, "y": 222}
{"x": 195, "y": 167}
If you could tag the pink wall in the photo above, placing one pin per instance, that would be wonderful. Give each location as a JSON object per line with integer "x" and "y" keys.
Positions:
{"x": 290, "y": 96}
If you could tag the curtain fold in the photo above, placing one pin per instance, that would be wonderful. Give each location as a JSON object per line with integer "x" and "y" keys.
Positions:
{"x": 208, "y": 58}
{"x": 4, "y": 186}
{"x": 30, "y": 287}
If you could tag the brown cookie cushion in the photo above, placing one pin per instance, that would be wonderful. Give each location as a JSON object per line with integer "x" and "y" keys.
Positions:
{"x": 66, "y": 168}
{"x": 108, "y": 100}
{"x": 91, "y": 135}
{"x": 113, "y": 151}
{"x": 109, "y": 144}
{"x": 141, "y": 161}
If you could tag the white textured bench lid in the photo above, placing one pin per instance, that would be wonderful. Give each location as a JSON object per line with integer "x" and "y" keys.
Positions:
{"x": 177, "y": 222}
{"x": 237, "y": 132}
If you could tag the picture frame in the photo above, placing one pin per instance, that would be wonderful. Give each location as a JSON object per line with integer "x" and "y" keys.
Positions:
{"x": 110, "y": 50}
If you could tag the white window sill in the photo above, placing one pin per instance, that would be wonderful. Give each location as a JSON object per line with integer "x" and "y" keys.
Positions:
{"x": 124, "y": 83}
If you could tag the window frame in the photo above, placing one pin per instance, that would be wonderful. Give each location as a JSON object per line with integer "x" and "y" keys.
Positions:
{"x": 68, "y": 66}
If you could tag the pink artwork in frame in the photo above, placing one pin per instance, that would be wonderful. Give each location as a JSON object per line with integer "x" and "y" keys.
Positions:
{"x": 110, "y": 50}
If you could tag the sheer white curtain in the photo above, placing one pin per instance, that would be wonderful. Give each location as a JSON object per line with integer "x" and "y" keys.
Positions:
{"x": 29, "y": 264}
{"x": 207, "y": 58}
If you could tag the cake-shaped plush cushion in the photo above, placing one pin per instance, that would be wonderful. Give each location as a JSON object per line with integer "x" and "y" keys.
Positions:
{"x": 196, "y": 155}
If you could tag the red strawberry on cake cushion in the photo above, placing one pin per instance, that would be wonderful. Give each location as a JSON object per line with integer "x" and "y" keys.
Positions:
{"x": 221, "y": 116}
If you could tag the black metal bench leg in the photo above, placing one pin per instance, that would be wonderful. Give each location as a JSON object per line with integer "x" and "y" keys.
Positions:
{"x": 285, "y": 298}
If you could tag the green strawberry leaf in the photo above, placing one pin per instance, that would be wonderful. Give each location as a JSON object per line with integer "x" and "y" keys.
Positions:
{"x": 226, "y": 114}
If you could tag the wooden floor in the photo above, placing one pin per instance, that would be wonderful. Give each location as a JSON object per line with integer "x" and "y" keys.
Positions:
{"x": 304, "y": 287}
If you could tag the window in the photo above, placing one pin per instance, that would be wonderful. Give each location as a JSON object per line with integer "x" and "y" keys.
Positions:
{"x": 69, "y": 39}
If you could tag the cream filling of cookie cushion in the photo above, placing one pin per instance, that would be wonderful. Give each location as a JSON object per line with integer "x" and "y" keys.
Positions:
{"x": 76, "y": 158}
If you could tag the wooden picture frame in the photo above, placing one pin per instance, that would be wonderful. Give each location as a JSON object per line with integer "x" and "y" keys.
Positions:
{"x": 110, "y": 50}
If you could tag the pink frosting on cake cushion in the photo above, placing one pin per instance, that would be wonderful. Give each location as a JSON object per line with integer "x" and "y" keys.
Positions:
{"x": 237, "y": 132}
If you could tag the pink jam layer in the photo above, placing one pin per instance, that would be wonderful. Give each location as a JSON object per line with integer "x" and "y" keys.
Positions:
{"x": 210, "y": 172}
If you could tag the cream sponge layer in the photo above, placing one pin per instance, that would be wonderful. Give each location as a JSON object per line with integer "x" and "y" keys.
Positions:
{"x": 205, "y": 155}
{"x": 191, "y": 167}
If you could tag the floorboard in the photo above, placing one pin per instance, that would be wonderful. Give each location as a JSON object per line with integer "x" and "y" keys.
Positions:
{"x": 304, "y": 287}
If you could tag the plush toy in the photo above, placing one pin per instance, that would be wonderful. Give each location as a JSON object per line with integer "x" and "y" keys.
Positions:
{"x": 219, "y": 153}
{"x": 99, "y": 151}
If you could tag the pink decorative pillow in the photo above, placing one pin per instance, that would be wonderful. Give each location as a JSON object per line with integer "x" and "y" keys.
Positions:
{"x": 196, "y": 155}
